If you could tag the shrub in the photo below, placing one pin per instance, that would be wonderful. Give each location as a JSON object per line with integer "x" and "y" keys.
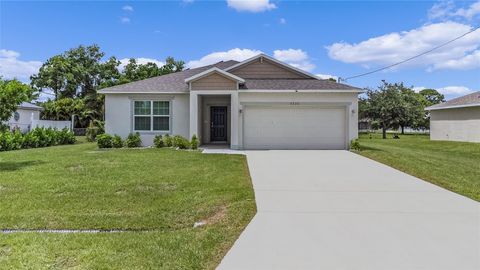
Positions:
{"x": 91, "y": 132}
{"x": 51, "y": 137}
{"x": 194, "y": 142}
{"x": 133, "y": 140}
{"x": 158, "y": 141}
{"x": 30, "y": 140}
{"x": 66, "y": 136}
{"x": 355, "y": 145}
{"x": 17, "y": 140}
{"x": 167, "y": 140}
{"x": 6, "y": 141}
{"x": 117, "y": 142}
{"x": 4, "y": 127}
{"x": 37, "y": 137}
{"x": 180, "y": 142}
{"x": 41, "y": 136}
{"x": 105, "y": 141}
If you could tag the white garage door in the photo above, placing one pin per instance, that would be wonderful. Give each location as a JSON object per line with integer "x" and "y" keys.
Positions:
{"x": 294, "y": 127}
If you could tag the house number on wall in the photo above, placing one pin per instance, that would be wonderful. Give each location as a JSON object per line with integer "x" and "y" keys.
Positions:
{"x": 294, "y": 103}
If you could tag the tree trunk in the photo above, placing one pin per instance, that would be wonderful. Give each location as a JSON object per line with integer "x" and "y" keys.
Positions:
{"x": 384, "y": 132}
{"x": 403, "y": 130}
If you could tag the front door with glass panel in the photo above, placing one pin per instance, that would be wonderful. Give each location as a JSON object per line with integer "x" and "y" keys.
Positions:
{"x": 218, "y": 124}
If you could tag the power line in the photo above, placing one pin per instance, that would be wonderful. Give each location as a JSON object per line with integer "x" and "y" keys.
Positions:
{"x": 411, "y": 58}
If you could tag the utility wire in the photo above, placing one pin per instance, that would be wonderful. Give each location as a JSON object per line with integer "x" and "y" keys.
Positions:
{"x": 411, "y": 58}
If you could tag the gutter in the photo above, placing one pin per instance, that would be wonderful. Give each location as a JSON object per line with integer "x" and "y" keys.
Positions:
{"x": 433, "y": 108}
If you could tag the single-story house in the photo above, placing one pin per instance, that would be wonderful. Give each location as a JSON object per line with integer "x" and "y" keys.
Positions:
{"x": 457, "y": 119}
{"x": 24, "y": 115}
{"x": 259, "y": 103}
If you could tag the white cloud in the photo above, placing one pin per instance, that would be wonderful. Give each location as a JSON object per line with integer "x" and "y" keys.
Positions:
{"x": 233, "y": 54}
{"x": 450, "y": 91}
{"x": 448, "y": 10}
{"x": 140, "y": 60}
{"x": 454, "y": 90}
{"x": 394, "y": 47}
{"x": 283, "y": 21}
{"x": 418, "y": 88}
{"x": 470, "y": 12}
{"x": 441, "y": 9}
{"x": 125, "y": 20}
{"x": 327, "y": 76}
{"x": 469, "y": 61}
{"x": 11, "y": 67}
{"x": 127, "y": 8}
{"x": 294, "y": 57}
{"x": 251, "y": 5}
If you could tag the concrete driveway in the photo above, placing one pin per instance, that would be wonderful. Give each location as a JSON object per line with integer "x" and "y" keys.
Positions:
{"x": 338, "y": 210}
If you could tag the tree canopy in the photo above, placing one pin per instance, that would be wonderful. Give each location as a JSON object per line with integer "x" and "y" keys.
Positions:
{"x": 80, "y": 72}
{"x": 432, "y": 97}
{"x": 395, "y": 106}
{"x": 12, "y": 94}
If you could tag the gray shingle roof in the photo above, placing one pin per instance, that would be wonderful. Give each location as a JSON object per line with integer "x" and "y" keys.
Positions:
{"x": 175, "y": 83}
{"x": 27, "y": 105}
{"x": 472, "y": 99}
{"x": 295, "y": 84}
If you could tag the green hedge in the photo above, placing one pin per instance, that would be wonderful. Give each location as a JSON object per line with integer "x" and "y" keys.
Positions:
{"x": 37, "y": 137}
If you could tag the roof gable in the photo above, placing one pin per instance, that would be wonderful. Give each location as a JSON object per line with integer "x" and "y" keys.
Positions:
{"x": 211, "y": 71}
{"x": 265, "y": 67}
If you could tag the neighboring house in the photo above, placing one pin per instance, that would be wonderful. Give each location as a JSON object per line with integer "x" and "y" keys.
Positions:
{"x": 457, "y": 119}
{"x": 24, "y": 115}
{"x": 27, "y": 117}
{"x": 260, "y": 103}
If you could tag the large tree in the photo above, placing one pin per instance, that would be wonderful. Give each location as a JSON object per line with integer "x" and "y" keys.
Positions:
{"x": 432, "y": 96}
{"x": 12, "y": 93}
{"x": 134, "y": 71}
{"x": 385, "y": 105}
{"x": 427, "y": 97}
{"x": 80, "y": 72}
{"x": 56, "y": 74}
{"x": 172, "y": 65}
{"x": 412, "y": 109}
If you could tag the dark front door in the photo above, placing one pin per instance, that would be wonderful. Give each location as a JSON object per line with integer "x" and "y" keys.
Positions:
{"x": 218, "y": 124}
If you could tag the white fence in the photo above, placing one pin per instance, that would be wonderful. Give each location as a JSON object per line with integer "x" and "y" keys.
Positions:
{"x": 51, "y": 123}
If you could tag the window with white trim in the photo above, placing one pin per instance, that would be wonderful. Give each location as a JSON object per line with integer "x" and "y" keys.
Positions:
{"x": 151, "y": 115}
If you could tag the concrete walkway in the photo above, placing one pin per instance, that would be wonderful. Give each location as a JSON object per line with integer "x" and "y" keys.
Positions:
{"x": 337, "y": 210}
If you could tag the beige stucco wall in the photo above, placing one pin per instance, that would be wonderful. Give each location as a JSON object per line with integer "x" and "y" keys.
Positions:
{"x": 350, "y": 99}
{"x": 119, "y": 114}
{"x": 461, "y": 124}
{"x": 265, "y": 69}
{"x": 214, "y": 81}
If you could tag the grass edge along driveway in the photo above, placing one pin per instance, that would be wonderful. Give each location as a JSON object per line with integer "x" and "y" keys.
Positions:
{"x": 163, "y": 191}
{"x": 452, "y": 165}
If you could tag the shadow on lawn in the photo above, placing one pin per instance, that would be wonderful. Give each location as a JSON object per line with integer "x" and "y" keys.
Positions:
{"x": 17, "y": 165}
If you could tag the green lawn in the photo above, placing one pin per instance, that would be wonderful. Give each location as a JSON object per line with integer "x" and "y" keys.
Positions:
{"x": 156, "y": 194}
{"x": 452, "y": 165}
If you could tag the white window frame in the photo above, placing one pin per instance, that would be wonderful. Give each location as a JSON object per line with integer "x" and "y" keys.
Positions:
{"x": 151, "y": 115}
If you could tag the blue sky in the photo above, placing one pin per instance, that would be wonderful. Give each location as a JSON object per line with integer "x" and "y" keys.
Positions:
{"x": 324, "y": 37}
